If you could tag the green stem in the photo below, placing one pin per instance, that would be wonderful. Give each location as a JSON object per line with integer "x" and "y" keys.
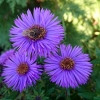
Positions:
{"x": 68, "y": 94}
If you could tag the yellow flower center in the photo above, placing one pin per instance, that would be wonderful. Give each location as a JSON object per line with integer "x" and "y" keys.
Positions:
{"x": 22, "y": 68}
{"x": 67, "y": 64}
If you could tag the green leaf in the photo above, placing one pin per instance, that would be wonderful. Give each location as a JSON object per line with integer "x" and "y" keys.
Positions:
{"x": 87, "y": 95}
{"x": 13, "y": 95}
{"x": 58, "y": 96}
{"x": 5, "y": 99}
{"x": 1, "y": 1}
{"x": 96, "y": 61}
{"x": 50, "y": 91}
{"x": 97, "y": 83}
{"x": 97, "y": 98}
{"x": 12, "y": 5}
{"x": 97, "y": 51}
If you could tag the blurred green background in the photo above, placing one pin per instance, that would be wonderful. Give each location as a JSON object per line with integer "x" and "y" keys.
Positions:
{"x": 81, "y": 21}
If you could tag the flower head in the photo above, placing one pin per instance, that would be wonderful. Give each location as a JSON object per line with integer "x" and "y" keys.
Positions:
{"x": 21, "y": 71}
{"x": 5, "y": 56}
{"x": 69, "y": 68}
{"x": 38, "y": 98}
{"x": 37, "y": 32}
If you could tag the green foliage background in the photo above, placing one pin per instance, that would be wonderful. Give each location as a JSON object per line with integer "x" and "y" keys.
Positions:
{"x": 81, "y": 21}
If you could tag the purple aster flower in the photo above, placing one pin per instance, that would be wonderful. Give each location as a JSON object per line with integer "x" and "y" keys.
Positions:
{"x": 69, "y": 68}
{"x": 20, "y": 71}
{"x": 38, "y": 32}
{"x": 5, "y": 56}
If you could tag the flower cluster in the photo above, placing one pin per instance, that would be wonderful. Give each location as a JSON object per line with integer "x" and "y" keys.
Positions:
{"x": 40, "y": 34}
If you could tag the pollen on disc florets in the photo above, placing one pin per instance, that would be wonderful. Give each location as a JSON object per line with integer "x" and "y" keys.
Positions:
{"x": 36, "y": 32}
{"x": 67, "y": 64}
{"x": 23, "y": 68}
